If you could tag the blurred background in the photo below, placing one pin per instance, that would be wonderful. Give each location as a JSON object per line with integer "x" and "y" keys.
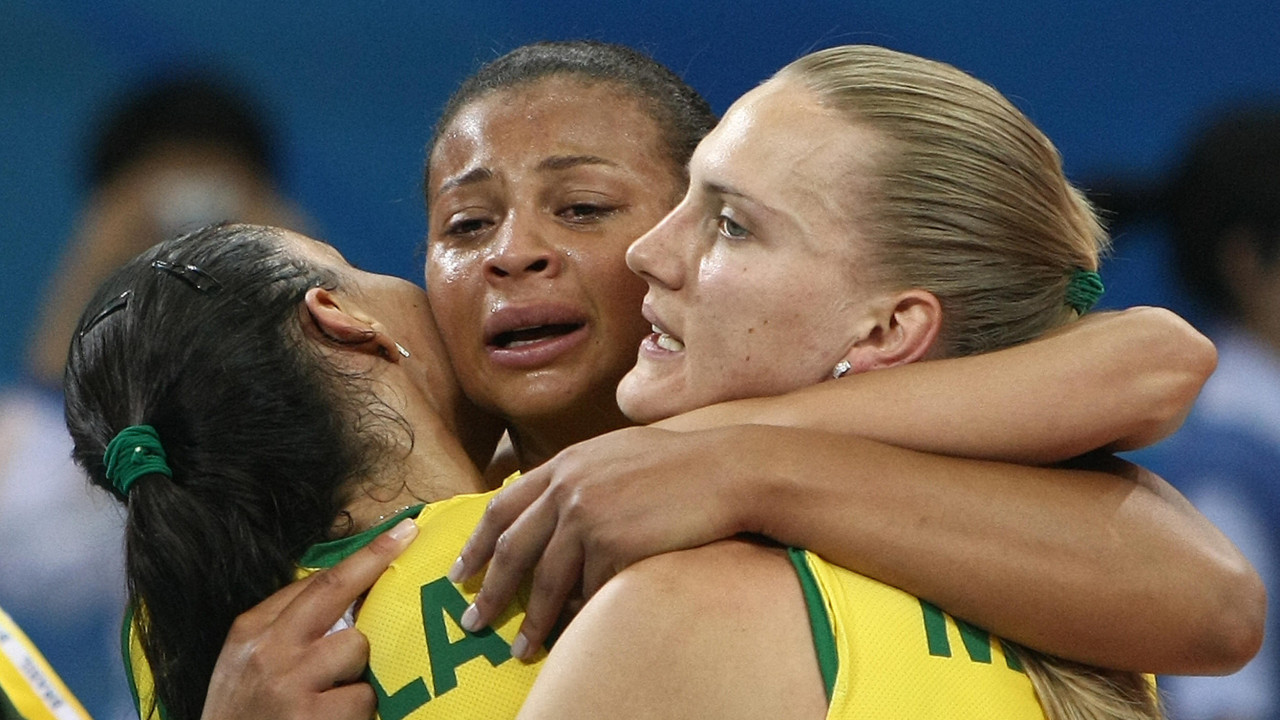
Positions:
{"x": 346, "y": 94}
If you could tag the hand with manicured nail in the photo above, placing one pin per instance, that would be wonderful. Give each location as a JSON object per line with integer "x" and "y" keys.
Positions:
{"x": 283, "y": 660}
{"x": 592, "y": 510}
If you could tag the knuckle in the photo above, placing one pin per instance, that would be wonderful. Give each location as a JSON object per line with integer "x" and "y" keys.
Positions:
{"x": 242, "y": 629}
{"x": 358, "y": 642}
{"x": 583, "y": 507}
{"x": 494, "y": 506}
{"x": 575, "y": 504}
{"x": 328, "y": 580}
{"x": 253, "y": 657}
{"x": 504, "y": 549}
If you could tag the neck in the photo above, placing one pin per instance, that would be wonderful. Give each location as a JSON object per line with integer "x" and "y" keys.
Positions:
{"x": 537, "y": 440}
{"x": 430, "y": 465}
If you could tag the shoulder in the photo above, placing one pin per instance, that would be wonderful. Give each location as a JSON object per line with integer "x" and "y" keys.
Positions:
{"x": 717, "y": 631}
{"x": 728, "y": 564}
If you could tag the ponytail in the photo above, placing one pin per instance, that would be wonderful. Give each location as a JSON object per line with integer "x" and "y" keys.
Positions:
{"x": 199, "y": 338}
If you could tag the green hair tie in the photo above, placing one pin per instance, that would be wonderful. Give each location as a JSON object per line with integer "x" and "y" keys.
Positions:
{"x": 134, "y": 451}
{"x": 1083, "y": 290}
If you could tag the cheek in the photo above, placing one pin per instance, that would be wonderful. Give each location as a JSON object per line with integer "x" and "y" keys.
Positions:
{"x": 451, "y": 267}
{"x": 451, "y": 310}
{"x": 756, "y": 330}
{"x": 616, "y": 289}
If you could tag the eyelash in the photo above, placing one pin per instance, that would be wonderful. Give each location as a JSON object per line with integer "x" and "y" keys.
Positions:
{"x": 593, "y": 212}
{"x": 465, "y": 226}
{"x": 722, "y": 226}
{"x": 577, "y": 213}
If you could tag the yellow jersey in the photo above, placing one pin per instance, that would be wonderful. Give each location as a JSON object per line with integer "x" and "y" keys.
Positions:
{"x": 422, "y": 664}
{"x": 887, "y": 654}
{"x": 883, "y": 653}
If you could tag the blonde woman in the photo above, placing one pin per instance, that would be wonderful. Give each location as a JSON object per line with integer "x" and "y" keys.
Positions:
{"x": 863, "y": 209}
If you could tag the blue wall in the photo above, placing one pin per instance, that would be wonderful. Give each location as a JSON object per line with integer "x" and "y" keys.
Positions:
{"x": 353, "y": 88}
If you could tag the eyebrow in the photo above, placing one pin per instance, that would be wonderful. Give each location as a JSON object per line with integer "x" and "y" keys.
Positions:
{"x": 555, "y": 162}
{"x": 474, "y": 175}
{"x": 722, "y": 189}
{"x": 717, "y": 188}
{"x": 564, "y": 162}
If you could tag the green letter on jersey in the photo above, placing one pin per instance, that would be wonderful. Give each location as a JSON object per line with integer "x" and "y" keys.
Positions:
{"x": 401, "y": 702}
{"x": 977, "y": 642}
{"x": 438, "y": 598}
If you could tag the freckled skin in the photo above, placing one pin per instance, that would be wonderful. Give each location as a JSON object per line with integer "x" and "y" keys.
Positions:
{"x": 755, "y": 244}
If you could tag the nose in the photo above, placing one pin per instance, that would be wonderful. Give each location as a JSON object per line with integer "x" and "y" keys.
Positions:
{"x": 522, "y": 251}
{"x": 658, "y": 255}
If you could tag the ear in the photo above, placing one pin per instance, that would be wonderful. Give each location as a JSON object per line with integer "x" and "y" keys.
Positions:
{"x": 341, "y": 323}
{"x": 903, "y": 332}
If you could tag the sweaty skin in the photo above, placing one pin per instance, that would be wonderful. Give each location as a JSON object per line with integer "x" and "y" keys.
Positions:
{"x": 535, "y": 194}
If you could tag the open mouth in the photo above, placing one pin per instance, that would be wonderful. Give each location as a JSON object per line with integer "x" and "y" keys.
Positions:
{"x": 665, "y": 341}
{"x": 521, "y": 337}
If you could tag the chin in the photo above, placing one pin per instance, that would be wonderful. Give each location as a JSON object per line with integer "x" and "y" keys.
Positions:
{"x": 646, "y": 405}
{"x": 641, "y": 414}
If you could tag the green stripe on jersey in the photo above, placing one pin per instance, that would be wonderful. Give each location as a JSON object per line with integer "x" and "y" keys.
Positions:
{"x": 328, "y": 554}
{"x": 824, "y": 638}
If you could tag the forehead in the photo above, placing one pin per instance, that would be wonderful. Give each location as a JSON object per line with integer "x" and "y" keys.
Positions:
{"x": 778, "y": 144}
{"x": 557, "y": 116}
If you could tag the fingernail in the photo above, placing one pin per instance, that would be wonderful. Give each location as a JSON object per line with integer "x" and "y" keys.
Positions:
{"x": 403, "y": 530}
{"x": 519, "y": 646}
{"x": 455, "y": 571}
{"x": 470, "y": 619}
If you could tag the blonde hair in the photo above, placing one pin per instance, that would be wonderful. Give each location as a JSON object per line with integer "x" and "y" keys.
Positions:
{"x": 1073, "y": 691}
{"x": 969, "y": 200}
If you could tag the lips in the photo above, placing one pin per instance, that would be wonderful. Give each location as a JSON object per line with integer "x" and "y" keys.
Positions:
{"x": 528, "y": 336}
{"x": 525, "y": 336}
{"x": 661, "y": 339}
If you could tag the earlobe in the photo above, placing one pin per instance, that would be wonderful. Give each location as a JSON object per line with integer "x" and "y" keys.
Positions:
{"x": 904, "y": 333}
{"x": 346, "y": 327}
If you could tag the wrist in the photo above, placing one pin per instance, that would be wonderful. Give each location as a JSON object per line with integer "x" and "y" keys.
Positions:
{"x": 756, "y": 493}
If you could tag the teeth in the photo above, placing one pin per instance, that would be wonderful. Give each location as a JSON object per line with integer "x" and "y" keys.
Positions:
{"x": 666, "y": 342}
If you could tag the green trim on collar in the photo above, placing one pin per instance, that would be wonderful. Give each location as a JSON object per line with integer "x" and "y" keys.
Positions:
{"x": 327, "y": 554}
{"x": 824, "y": 638}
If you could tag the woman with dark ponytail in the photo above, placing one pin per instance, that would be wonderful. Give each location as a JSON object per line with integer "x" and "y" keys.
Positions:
{"x": 243, "y": 420}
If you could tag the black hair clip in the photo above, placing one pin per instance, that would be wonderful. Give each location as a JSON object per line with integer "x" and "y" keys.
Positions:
{"x": 189, "y": 274}
{"x": 117, "y": 303}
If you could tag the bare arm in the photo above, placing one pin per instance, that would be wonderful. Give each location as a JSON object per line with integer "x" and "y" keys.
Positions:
{"x": 1111, "y": 568}
{"x": 1119, "y": 380}
{"x": 1108, "y": 565}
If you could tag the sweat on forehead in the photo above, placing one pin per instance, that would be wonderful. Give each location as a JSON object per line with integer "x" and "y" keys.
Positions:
{"x": 682, "y": 114}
